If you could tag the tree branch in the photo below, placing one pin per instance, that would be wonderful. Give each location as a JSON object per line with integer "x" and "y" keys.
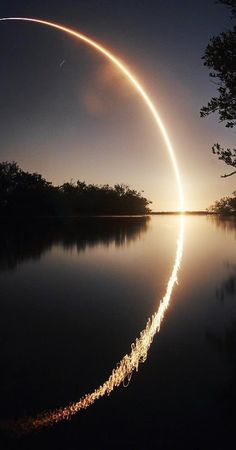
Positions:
{"x": 228, "y": 174}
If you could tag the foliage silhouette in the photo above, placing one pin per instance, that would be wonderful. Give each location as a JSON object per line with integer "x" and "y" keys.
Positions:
{"x": 29, "y": 194}
{"x": 220, "y": 58}
{"x": 225, "y": 206}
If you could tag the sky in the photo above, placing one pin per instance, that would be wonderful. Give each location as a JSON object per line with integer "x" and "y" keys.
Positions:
{"x": 69, "y": 114}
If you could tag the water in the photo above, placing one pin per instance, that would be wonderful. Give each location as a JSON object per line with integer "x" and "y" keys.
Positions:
{"x": 75, "y": 295}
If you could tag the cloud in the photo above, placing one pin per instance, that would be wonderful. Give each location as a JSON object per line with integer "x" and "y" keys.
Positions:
{"x": 110, "y": 78}
{"x": 93, "y": 103}
{"x": 105, "y": 91}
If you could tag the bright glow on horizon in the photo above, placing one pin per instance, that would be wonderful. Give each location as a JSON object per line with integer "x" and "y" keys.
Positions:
{"x": 118, "y": 63}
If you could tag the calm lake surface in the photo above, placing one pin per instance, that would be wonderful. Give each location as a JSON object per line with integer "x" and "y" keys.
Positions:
{"x": 75, "y": 294}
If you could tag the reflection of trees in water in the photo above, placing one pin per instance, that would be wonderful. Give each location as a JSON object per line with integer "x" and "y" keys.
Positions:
{"x": 225, "y": 344}
{"x": 228, "y": 286}
{"x": 226, "y": 223}
{"x": 30, "y": 240}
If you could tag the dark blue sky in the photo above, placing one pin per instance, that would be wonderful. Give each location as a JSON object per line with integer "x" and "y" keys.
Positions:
{"x": 77, "y": 120}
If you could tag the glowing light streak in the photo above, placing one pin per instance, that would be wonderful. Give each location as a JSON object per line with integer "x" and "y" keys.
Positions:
{"x": 118, "y": 63}
{"x": 139, "y": 349}
{"x": 124, "y": 369}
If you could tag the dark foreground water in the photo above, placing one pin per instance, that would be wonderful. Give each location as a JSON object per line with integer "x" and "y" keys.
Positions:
{"x": 76, "y": 294}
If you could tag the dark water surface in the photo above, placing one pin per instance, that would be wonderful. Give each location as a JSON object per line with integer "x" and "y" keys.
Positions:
{"x": 75, "y": 295}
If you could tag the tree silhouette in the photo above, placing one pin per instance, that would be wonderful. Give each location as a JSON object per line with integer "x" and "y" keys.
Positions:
{"x": 23, "y": 193}
{"x": 220, "y": 58}
{"x": 29, "y": 194}
{"x": 226, "y": 205}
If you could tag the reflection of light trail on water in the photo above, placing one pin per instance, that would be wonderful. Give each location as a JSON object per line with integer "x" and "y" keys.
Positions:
{"x": 124, "y": 369}
{"x": 140, "y": 347}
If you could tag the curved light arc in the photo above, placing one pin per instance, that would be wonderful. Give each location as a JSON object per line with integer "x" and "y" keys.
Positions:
{"x": 118, "y": 63}
{"x": 139, "y": 349}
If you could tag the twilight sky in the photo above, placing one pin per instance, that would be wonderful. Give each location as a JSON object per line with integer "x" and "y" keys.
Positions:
{"x": 68, "y": 114}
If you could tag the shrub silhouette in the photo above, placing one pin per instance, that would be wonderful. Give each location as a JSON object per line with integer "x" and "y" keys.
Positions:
{"x": 29, "y": 194}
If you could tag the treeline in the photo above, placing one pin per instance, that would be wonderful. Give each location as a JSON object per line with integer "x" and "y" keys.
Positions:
{"x": 29, "y": 194}
{"x": 225, "y": 206}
